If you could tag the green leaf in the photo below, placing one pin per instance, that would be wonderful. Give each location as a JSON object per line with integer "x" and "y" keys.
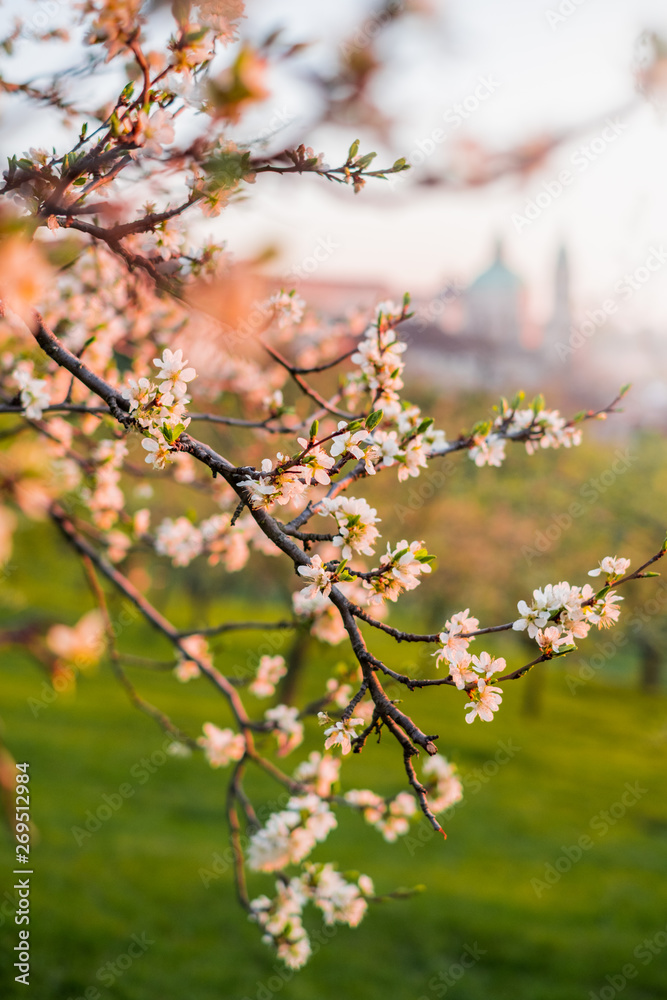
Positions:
{"x": 354, "y": 149}
{"x": 314, "y": 428}
{"x": 365, "y": 160}
{"x": 482, "y": 427}
{"x": 625, "y": 388}
{"x": 518, "y": 399}
{"x": 538, "y": 404}
{"x": 425, "y": 424}
{"x": 373, "y": 419}
{"x": 172, "y": 434}
{"x": 399, "y": 164}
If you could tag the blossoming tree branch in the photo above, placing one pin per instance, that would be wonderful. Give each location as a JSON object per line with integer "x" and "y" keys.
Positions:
{"x": 120, "y": 337}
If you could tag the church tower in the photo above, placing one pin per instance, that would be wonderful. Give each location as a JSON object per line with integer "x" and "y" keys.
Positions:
{"x": 557, "y": 330}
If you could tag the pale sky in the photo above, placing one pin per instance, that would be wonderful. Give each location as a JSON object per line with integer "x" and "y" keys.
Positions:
{"x": 550, "y": 77}
{"x": 546, "y": 77}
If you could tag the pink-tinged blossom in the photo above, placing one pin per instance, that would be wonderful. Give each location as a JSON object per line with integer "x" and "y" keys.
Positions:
{"x": 179, "y": 539}
{"x": 372, "y": 805}
{"x": 606, "y": 612}
{"x": 407, "y": 563}
{"x": 319, "y": 771}
{"x": 488, "y": 451}
{"x": 448, "y": 788}
{"x": 339, "y": 693}
{"x": 288, "y": 308}
{"x": 320, "y": 578}
{"x": 155, "y": 132}
{"x": 460, "y": 670}
{"x": 83, "y": 644}
{"x": 269, "y": 672}
{"x": 551, "y": 639}
{"x": 341, "y": 902}
{"x": 486, "y": 701}
{"x": 195, "y": 646}
{"x": 25, "y": 275}
{"x": 395, "y": 822}
{"x": 452, "y": 639}
{"x": 221, "y": 746}
{"x": 614, "y": 567}
{"x": 286, "y": 726}
{"x": 186, "y": 670}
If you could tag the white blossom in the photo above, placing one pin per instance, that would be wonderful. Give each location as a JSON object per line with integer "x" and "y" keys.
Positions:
{"x": 341, "y": 734}
{"x": 174, "y": 372}
{"x": 35, "y": 393}
{"x": 320, "y": 578}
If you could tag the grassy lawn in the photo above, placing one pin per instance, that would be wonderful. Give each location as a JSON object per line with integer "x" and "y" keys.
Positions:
{"x": 140, "y": 873}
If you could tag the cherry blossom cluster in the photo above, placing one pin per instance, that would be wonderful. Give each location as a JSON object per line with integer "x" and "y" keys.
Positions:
{"x": 221, "y": 746}
{"x": 470, "y": 672}
{"x": 537, "y": 426}
{"x": 401, "y": 568}
{"x": 339, "y": 900}
{"x": 160, "y": 408}
{"x": 559, "y": 614}
{"x": 356, "y": 521}
{"x": 291, "y": 834}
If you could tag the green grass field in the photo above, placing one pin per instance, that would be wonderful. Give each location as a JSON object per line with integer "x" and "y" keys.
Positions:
{"x": 140, "y": 873}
